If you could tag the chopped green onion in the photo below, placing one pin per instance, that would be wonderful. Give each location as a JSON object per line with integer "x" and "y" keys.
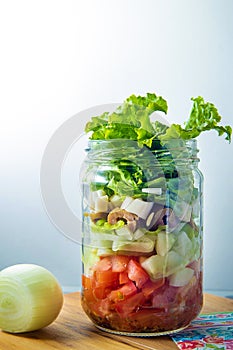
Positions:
{"x": 30, "y": 298}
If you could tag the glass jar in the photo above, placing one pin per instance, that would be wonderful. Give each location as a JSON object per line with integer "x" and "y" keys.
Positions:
{"x": 142, "y": 236}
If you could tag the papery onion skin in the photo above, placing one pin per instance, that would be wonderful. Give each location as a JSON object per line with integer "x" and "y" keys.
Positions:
{"x": 30, "y": 298}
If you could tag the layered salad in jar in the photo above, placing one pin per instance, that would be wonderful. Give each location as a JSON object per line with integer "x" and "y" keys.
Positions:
{"x": 142, "y": 218}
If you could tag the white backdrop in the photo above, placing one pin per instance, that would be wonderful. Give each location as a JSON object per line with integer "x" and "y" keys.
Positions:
{"x": 59, "y": 57}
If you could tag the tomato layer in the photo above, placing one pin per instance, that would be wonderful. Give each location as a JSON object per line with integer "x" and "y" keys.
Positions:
{"x": 120, "y": 295}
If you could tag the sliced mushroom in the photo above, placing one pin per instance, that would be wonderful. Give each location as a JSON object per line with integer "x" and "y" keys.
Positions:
{"x": 164, "y": 217}
{"x": 97, "y": 216}
{"x": 122, "y": 214}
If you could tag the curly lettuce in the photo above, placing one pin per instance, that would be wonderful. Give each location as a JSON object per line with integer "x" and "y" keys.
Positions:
{"x": 204, "y": 116}
{"x": 132, "y": 121}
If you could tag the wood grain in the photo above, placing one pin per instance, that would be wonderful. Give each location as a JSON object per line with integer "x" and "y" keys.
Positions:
{"x": 73, "y": 330}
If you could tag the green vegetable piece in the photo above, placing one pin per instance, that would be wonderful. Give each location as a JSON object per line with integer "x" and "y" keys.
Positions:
{"x": 183, "y": 245}
{"x": 181, "y": 277}
{"x": 155, "y": 266}
{"x": 142, "y": 245}
{"x": 204, "y": 116}
{"x": 132, "y": 121}
{"x": 164, "y": 243}
{"x": 151, "y": 101}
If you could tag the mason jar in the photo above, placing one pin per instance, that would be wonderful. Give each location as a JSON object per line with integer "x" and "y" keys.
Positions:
{"x": 141, "y": 236}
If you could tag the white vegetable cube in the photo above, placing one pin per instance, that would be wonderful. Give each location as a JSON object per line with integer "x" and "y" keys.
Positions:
{"x": 101, "y": 204}
{"x": 116, "y": 201}
{"x": 126, "y": 202}
{"x": 93, "y": 196}
{"x": 140, "y": 208}
{"x": 181, "y": 278}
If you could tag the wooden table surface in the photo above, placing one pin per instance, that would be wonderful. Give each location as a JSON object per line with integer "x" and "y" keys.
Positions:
{"x": 73, "y": 330}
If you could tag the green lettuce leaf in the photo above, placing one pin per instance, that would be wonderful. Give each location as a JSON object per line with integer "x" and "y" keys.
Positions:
{"x": 150, "y": 101}
{"x": 130, "y": 121}
{"x": 204, "y": 116}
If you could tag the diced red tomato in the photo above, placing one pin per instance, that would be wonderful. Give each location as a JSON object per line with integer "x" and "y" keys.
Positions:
{"x": 86, "y": 282}
{"x": 87, "y": 289}
{"x": 125, "y": 307}
{"x": 125, "y": 291}
{"x": 103, "y": 264}
{"x": 137, "y": 274}
{"x": 106, "y": 278}
{"x": 105, "y": 307}
{"x": 100, "y": 308}
{"x": 89, "y": 296}
{"x": 119, "y": 263}
{"x": 101, "y": 292}
{"x": 123, "y": 277}
{"x": 149, "y": 287}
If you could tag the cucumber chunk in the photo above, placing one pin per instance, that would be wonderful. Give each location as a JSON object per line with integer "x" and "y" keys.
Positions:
{"x": 181, "y": 278}
{"x": 164, "y": 243}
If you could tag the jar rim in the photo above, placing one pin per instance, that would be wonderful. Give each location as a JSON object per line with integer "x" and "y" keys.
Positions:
{"x": 181, "y": 150}
{"x": 172, "y": 142}
{"x": 120, "y": 140}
